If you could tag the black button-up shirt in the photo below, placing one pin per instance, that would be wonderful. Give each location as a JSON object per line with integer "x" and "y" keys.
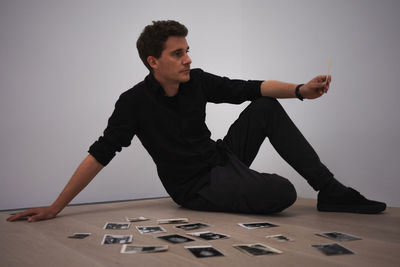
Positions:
{"x": 173, "y": 129}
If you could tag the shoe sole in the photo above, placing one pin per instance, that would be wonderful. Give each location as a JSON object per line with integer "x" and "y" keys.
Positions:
{"x": 360, "y": 209}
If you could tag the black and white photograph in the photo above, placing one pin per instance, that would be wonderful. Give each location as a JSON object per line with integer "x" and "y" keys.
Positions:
{"x": 339, "y": 236}
{"x": 204, "y": 251}
{"x": 131, "y": 249}
{"x": 136, "y": 219}
{"x": 257, "y": 249}
{"x": 192, "y": 226}
{"x": 207, "y": 235}
{"x": 151, "y": 229}
{"x": 116, "y": 239}
{"x": 280, "y": 238}
{"x": 332, "y": 249}
{"x": 117, "y": 226}
{"x": 256, "y": 225}
{"x": 176, "y": 239}
{"x": 172, "y": 221}
{"x": 79, "y": 235}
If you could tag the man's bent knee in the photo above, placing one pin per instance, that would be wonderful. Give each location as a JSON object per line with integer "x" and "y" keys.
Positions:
{"x": 274, "y": 196}
{"x": 265, "y": 106}
{"x": 289, "y": 196}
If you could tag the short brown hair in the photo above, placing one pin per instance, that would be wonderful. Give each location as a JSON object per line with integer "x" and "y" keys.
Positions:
{"x": 151, "y": 41}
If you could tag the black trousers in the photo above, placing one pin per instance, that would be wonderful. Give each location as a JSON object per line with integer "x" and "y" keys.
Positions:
{"x": 235, "y": 187}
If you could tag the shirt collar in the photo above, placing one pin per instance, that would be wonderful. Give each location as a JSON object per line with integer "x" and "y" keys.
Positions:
{"x": 154, "y": 85}
{"x": 156, "y": 88}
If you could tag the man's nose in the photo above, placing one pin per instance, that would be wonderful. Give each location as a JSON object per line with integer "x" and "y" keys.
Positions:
{"x": 187, "y": 60}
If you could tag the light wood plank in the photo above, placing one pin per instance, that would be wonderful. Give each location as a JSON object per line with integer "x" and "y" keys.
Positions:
{"x": 45, "y": 243}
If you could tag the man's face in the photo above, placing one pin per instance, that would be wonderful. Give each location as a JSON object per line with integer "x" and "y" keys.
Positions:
{"x": 173, "y": 66}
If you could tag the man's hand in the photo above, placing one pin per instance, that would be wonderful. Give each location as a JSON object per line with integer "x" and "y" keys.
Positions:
{"x": 35, "y": 214}
{"x": 85, "y": 172}
{"x": 316, "y": 87}
{"x": 313, "y": 89}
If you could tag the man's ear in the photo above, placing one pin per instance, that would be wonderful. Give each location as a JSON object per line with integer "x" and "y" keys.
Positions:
{"x": 152, "y": 62}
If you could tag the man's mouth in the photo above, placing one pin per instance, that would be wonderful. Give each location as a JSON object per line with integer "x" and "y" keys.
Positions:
{"x": 186, "y": 71}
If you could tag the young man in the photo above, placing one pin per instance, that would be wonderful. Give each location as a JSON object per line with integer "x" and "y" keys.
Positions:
{"x": 166, "y": 112}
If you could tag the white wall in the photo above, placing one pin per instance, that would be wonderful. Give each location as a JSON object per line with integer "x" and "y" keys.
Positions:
{"x": 355, "y": 128}
{"x": 63, "y": 64}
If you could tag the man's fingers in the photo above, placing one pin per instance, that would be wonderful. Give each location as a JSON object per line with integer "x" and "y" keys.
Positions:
{"x": 34, "y": 218}
{"x": 17, "y": 218}
{"x": 33, "y": 215}
{"x": 24, "y": 215}
{"x": 323, "y": 78}
{"x": 20, "y": 215}
{"x": 320, "y": 86}
{"x": 317, "y": 86}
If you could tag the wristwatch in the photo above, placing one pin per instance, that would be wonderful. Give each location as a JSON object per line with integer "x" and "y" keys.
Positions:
{"x": 297, "y": 92}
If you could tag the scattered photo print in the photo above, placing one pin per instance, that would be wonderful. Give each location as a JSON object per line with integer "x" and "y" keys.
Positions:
{"x": 209, "y": 235}
{"x": 204, "y": 251}
{"x": 117, "y": 226}
{"x": 257, "y": 249}
{"x": 150, "y": 229}
{"x": 339, "y": 236}
{"x": 176, "y": 239}
{"x": 79, "y": 235}
{"x": 130, "y": 249}
{"x": 175, "y": 220}
{"x": 137, "y": 219}
{"x": 280, "y": 238}
{"x": 116, "y": 239}
{"x": 256, "y": 225}
{"x": 332, "y": 249}
{"x": 192, "y": 226}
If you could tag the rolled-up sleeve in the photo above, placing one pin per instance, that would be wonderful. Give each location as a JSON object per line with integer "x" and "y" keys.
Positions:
{"x": 119, "y": 132}
{"x": 224, "y": 90}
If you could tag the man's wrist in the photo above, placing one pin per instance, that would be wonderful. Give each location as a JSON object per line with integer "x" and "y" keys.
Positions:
{"x": 55, "y": 209}
{"x": 297, "y": 92}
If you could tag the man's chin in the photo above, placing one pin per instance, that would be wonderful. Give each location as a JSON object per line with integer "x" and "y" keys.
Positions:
{"x": 185, "y": 78}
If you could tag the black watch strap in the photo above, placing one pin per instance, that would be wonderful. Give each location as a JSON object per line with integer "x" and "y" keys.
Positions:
{"x": 297, "y": 92}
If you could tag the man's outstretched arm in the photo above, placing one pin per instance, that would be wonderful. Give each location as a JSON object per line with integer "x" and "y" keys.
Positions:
{"x": 85, "y": 172}
{"x": 313, "y": 89}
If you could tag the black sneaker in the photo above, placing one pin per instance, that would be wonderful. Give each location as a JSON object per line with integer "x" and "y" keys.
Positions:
{"x": 349, "y": 201}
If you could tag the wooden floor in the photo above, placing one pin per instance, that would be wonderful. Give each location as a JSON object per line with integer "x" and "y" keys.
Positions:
{"x": 46, "y": 244}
